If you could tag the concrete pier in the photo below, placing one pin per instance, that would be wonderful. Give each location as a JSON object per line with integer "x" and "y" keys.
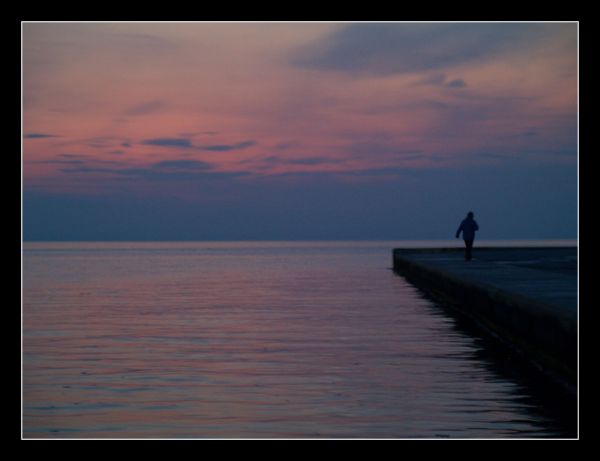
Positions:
{"x": 525, "y": 297}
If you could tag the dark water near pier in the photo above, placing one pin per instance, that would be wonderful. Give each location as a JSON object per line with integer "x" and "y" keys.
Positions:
{"x": 252, "y": 339}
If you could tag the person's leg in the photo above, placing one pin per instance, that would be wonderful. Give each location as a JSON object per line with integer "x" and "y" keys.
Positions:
{"x": 468, "y": 250}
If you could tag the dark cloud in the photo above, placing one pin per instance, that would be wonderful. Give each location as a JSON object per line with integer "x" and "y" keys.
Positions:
{"x": 365, "y": 149}
{"x": 434, "y": 79}
{"x": 65, "y": 159}
{"x": 439, "y": 79}
{"x": 104, "y": 142}
{"x": 39, "y": 135}
{"x": 62, "y": 161}
{"x": 168, "y": 142}
{"x": 181, "y": 169}
{"x": 182, "y": 164}
{"x": 457, "y": 83}
{"x": 187, "y": 144}
{"x": 81, "y": 156}
{"x": 146, "y": 107}
{"x": 228, "y": 147}
{"x": 390, "y": 48}
{"x": 275, "y": 160}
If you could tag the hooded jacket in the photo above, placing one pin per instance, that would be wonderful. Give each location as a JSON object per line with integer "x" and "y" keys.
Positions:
{"x": 468, "y": 227}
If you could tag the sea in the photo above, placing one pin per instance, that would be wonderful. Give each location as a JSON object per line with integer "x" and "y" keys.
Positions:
{"x": 259, "y": 339}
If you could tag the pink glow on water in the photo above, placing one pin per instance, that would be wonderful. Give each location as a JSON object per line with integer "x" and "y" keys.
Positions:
{"x": 265, "y": 339}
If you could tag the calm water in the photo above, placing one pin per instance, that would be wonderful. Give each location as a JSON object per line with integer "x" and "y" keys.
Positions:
{"x": 270, "y": 339}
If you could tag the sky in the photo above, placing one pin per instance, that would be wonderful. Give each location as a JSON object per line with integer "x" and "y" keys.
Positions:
{"x": 325, "y": 130}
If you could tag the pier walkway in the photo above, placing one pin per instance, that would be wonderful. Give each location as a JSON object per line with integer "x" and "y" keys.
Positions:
{"x": 526, "y": 297}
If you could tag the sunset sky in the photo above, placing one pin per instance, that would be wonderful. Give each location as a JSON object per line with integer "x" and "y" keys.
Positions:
{"x": 191, "y": 131}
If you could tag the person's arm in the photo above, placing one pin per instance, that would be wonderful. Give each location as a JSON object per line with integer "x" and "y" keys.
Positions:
{"x": 460, "y": 228}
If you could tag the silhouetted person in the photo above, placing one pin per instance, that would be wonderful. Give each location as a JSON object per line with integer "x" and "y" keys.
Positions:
{"x": 468, "y": 227}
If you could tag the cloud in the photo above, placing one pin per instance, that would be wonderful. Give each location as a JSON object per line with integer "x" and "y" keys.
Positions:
{"x": 39, "y": 135}
{"x": 180, "y": 169}
{"x": 228, "y": 147}
{"x": 456, "y": 83}
{"x": 433, "y": 79}
{"x": 370, "y": 149}
{"x": 62, "y": 161}
{"x": 393, "y": 48}
{"x": 168, "y": 142}
{"x": 441, "y": 80}
{"x": 79, "y": 156}
{"x": 187, "y": 144}
{"x": 275, "y": 160}
{"x": 146, "y": 107}
{"x": 182, "y": 164}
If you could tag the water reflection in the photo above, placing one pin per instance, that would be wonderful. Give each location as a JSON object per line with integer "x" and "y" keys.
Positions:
{"x": 247, "y": 340}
